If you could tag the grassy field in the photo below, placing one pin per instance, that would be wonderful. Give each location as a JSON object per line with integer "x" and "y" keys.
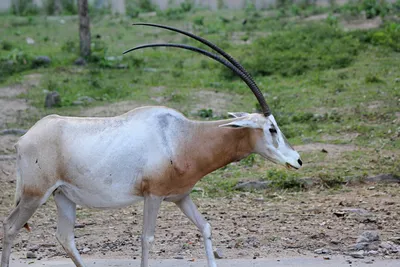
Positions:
{"x": 325, "y": 85}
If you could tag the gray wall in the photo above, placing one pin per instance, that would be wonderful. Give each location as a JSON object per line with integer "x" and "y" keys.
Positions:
{"x": 5, "y": 5}
{"x": 118, "y": 6}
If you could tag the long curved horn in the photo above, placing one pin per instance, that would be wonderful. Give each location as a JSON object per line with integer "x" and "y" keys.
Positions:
{"x": 226, "y": 63}
{"x": 257, "y": 91}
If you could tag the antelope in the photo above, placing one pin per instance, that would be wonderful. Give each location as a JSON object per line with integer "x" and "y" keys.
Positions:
{"x": 153, "y": 154}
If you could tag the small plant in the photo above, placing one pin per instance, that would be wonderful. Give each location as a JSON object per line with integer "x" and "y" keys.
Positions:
{"x": 187, "y": 5}
{"x": 330, "y": 180}
{"x": 70, "y": 46}
{"x": 145, "y": 5}
{"x": 199, "y": 20}
{"x": 6, "y": 45}
{"x": 372, "y": 78}
{"x": 303, "y": 117}
{"x": 24, "y": 8}
{"x": 205, "y": 113}
{"x": 388, "y": 36}
{"x": 282, "y": 180}
{"x": 249, "y": 161}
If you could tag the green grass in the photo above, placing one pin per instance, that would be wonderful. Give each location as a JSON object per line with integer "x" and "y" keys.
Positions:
{"x": 321, "y": 82}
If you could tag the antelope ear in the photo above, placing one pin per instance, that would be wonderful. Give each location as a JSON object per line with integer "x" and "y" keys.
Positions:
{"x": 241, "y": 124}
{"x": 238, "y": 114}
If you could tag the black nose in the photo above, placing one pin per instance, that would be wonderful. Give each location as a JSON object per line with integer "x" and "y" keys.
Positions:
{"x": 300, "y": 162}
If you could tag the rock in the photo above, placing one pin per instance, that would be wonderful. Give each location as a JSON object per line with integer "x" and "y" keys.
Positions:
{"x": 218, "y": 254}
{"x": 41, "y": 61}
{"x": 355, "y": 210}
{"x": 322, "y": 251}
{"x": 198, "y": 189}
{"x": 34, "y": 248}
{"x": 31, "y": 255}
{"x": 372, "y": 252}
{"x": 360, "y": 246}
{"x": 150, "y": 70}
{"x": 7, "y": 157}
{"x": 252, "y": 185}
{"x": 29, "y": 40}
{"x": 83, "y": 100}
{"x": 13, "y": 131}
{"x": 86, "y": 99}
{"x": 80, "y": 61}
{"x": 122, "y": 66}
{"x": 79, "y": 226}
{"x": 357, "y": 254}
{"x": 85, "y": 250}
{"x": 395, "y": 239}
{"x": 77, "y": 103}
{"x": 388, "y": 247}
{"x": 383, "y": 178}
{"x": 178, "y": 257}
{"x": 53, "y": 99}
{"x": 368, "y": 236}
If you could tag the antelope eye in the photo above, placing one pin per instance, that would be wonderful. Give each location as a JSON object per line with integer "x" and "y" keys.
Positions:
{"x": 272, "y": 130}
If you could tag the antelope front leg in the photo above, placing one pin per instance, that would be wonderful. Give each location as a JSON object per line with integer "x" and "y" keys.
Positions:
{"x": 151, "y": 206}
{"x": 190, "y": 210}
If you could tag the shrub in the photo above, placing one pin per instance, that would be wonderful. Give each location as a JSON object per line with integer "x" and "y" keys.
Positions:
{"x": 205, "y": 113}
{"x": 302, "y": 48}
{"x": 282, "y": 180}
{"x": 371, "y": 8}
{"x": 6, "y": 45}
{"x": 388, "y": 36}
{"x": 67, "y": 7}
{"x": 16, "y": 61}
{"x": 70, "y": 47}
{"x": 133, "y": 8}
{"x": 24, "y": 8}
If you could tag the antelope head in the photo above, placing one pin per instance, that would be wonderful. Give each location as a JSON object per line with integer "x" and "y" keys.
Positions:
{"x": 272, "y": 143}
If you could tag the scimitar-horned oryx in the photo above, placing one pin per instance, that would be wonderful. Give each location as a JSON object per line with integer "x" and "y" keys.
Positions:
{"x": 153, "y": 154}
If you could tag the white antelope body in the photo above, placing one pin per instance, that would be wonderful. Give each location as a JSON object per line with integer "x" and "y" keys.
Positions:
{"x": 153, "y": 154}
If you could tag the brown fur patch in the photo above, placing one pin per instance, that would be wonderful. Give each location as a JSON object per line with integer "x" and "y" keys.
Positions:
{"x": 32, "y": 192}
{"x": 209, "y": 148}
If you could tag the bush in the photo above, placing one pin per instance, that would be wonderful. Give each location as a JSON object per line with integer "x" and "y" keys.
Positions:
{"x": 133, "y": 8}
{"x": 70, "y": 46}
{"x": 388, "y": 36}
{"x": 24, "y": 8}
{"x": 282, "y": 180}
{"x": 178, "y": 12}
{"x": 371, "y": 8}
{"x": 6, "y": 45}
{"x": 205, "y": 113}
{"x": 301, "y": 49}
{"x": 16, "y": 61}
{"x": 67, "y": 7}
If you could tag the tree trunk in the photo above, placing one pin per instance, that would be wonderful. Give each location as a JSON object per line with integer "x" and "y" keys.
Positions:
{"x": 84, "y": 28}
{"x": 57, "y": 7}
{"x": 16, "y": 6}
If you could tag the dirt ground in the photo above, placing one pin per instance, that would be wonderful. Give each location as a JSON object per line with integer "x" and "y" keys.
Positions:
{"x": 246, "y": 225}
